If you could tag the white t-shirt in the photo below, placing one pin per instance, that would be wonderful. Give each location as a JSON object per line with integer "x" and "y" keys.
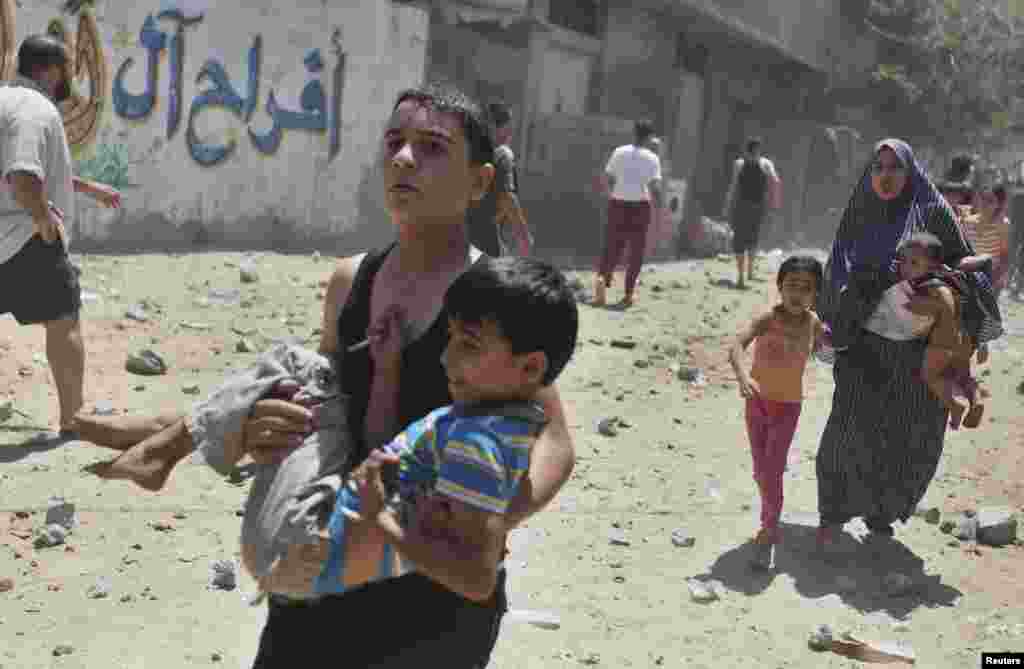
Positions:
{"x": 32, "y": 140}
{"x": 633, "y": 168}
{"x": 894, "y": 321}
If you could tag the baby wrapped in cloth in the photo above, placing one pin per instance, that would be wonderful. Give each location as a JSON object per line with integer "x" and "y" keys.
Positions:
{"x": 289, "y": 503}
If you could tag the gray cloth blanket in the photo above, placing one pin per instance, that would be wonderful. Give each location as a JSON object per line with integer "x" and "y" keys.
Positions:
{"x": 290, "y": 502}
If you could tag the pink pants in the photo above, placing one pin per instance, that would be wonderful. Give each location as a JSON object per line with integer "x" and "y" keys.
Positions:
{"x": 627, "y": 226}
{"x": 771, "y": 426}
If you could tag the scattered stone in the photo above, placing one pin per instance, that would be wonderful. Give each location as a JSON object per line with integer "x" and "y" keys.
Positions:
{"x": 623, "y": 343}
{"x": 683, "y": 540}
{"x": 126, "y": 598}
{"x": 247, "y": 273}
{"x": 191, "y": 389}
{"x": 223, "y": 575}
{"x": 996, "y": 527}
{"x": 641, "y": 363}
{"x": 932, "y": 516}
{"x": 63, "y": 649}
{"x": 608, "y": 426}
{"x": 692, "y": 375}
{"x": 700, "y": 591}
{"x": 216, "y": 657}
{"x": 100, "y": 589}
{"x": 146, "y": 363}
{"x": 6, "y": 584}
{"x": 60, "y": 512}
{"x": 243, "y": 345}
{"x": 966, "y": 528}
{"x": 136, "y": 313}
{"x": 821, "y": 638}
{"x": 162, "y": 526}
{"x": 618, "y": 538}
{"x": 200, "y": 327}
{"x": 947, "y": 527}
{"x": 543, "y": 619}
{"x": 50, "y": 536}
{"x": 224, "y": 296}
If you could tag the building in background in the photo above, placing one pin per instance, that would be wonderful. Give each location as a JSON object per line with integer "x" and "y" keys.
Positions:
{"x": 255, "y": 125}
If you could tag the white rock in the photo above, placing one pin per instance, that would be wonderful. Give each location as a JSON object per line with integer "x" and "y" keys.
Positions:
{"x": 60, "y": 512}
{"x": 700, "y": 591}
{"x": 996, "y": 527}
{"x": 543, "y": 619}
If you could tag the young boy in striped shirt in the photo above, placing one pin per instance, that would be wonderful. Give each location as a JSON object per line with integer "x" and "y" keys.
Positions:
{"x": 513, "y": 325}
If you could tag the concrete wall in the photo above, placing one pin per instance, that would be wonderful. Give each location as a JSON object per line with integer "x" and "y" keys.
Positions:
{"x": 314, "y": 190}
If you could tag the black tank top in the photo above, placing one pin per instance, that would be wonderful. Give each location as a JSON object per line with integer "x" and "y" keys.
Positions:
{"x": 424, "y": 384}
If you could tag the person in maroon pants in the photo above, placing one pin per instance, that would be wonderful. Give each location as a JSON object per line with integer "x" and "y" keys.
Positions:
{"x": 634, "y": 182}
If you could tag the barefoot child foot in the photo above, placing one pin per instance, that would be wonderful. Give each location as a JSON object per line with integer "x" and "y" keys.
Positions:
{"x": 149, "y": 462}
{"x": 120, "y": 432}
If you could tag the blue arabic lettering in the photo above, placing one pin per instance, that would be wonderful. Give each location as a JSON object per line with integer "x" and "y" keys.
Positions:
{"x": 177, "y": 56}
{"x": 313, "y": 116}
{"x": 222, "y": 94}
{"x": 137, "y": 106}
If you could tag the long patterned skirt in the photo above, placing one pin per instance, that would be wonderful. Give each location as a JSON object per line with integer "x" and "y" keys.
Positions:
{"x": 883, "y": 440}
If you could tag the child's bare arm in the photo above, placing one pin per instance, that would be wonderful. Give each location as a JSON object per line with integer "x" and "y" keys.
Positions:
{"x": 946, "y": 331}
{"x": 976, "y": 263}
{"x": 753, "y": 330}
{"x": 463, "y": 557}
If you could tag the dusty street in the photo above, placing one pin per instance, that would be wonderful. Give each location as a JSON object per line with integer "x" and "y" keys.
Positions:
{"x": 601, "y": 558}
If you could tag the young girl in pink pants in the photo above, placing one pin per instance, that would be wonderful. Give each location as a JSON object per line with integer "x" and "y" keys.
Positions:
{"x": 773, "y": 389}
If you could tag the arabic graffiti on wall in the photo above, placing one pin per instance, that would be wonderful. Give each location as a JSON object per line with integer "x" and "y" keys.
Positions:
{"x": 317, "y": 112}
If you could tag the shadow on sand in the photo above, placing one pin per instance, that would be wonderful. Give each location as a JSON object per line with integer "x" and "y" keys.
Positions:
{"x": 41, "y": 440}
{"x": 854, "y": 571}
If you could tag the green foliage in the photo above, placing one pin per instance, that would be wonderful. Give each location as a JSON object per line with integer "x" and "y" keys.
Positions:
{"x": 958, "y": 63}
{"x": 108, "y": 164}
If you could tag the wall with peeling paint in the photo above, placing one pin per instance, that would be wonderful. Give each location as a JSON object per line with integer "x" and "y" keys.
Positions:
{"x": 299, "y": 195}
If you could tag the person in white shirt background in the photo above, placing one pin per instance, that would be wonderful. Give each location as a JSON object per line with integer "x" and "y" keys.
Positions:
{"x": 633, "y": 176}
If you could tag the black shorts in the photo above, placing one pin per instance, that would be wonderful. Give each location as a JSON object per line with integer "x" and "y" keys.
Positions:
{"x": 746, "y": 221}
{"x": 39, "y": 284}
{"x": 398, "y": 623}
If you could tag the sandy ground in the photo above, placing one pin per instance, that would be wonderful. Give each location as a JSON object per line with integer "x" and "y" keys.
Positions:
{"x": 682, "y": 463}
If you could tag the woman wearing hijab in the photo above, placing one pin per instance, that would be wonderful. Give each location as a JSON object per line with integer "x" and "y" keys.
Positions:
{"x": 884, "y": 436}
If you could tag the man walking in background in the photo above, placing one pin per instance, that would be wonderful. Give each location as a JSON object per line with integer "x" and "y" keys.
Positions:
{"x": 38, "y": 283}
{"x": 498, "y": 221}
{"x": 746, "y": 206}
{"x": 633, "y": 177}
